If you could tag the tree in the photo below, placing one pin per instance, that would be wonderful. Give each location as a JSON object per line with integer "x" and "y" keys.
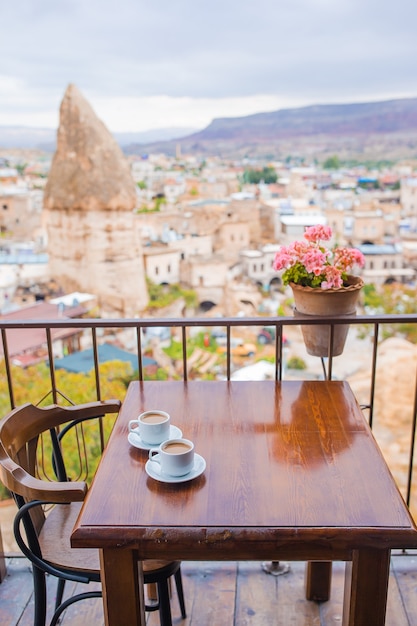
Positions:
{"x": 254, "y": 176}
{"x": 34, "y": 383}
{"x": 332, "y": 163}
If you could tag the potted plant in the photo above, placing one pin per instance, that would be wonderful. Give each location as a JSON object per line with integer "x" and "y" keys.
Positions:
{"x": 322, "y": 285}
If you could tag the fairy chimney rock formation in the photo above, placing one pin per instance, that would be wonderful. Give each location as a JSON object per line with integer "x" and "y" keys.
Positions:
{"x": 93, "y": 238}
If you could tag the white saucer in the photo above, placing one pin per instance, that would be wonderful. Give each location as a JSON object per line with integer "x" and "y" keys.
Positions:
{"x": 153, "y": 470}
{"x": 135, "y": 440}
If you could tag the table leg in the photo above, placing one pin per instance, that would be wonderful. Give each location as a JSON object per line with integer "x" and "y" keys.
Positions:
{"x": 366, "y": 587}
{"x": 122, "y": 582}
{"x": 318, "y": 579}
{"x": 2, "y": 560}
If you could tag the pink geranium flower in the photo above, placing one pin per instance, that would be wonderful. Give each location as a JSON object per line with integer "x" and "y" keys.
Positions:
{"x": 309, "y": 263}
{"x": 317, "y": 233}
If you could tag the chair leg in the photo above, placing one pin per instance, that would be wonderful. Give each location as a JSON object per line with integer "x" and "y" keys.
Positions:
{"x": 164, "y": 604}
{"x": 59, "y": 592}
{"x": 39, "y": 588}
{"x": 152, "y": 592}
{"x": 180, "y": 592}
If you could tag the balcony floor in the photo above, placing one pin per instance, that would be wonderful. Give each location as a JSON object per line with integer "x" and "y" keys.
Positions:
{"x": 228, "y": 594}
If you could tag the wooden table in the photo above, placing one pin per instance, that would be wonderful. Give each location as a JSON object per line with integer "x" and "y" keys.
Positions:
{"x": 293, "y": 472}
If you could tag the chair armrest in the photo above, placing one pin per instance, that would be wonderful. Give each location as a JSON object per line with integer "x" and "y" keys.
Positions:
{"x": 89, "y": 409}
{"x": 21, "y": 482}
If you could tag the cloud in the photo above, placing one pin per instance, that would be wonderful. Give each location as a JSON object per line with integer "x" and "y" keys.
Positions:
{"x": 203, "y": 55}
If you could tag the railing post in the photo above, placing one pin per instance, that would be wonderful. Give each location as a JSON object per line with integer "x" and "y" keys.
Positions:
{"x": 184, "y": 352}
{"x": 413, "y": 438}
{"x": 51, "y": 366}
{"x": 139, "y": 349}
{"x": 373, "y": 375}
{"x": 8, "y": 370}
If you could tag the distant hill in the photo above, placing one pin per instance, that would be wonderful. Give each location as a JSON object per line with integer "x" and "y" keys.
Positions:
{"x": 363, "y": 131}
{"x": 25, "y": 137}
{"x": 376, "y": 128}
{"x": 45, "y": 138}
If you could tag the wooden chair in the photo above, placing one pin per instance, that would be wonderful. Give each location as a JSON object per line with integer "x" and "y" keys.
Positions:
{"x": 47, "y": 508}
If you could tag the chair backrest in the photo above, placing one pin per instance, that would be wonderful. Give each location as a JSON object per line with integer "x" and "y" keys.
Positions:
{"x": 20, "y": 431}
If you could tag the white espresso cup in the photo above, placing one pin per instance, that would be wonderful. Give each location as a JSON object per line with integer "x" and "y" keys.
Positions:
{"x": 152, "y": 426}
{"x": 176, "y": 456}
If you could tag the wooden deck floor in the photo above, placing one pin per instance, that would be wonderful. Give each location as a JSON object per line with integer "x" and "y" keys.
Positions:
{"x": 229, "y": 594}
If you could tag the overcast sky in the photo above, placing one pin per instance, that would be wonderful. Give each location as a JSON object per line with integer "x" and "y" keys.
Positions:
{"x": 166, "y": 63}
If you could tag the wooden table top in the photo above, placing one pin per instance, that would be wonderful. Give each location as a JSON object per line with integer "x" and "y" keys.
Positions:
{"x": 288, "y": 463}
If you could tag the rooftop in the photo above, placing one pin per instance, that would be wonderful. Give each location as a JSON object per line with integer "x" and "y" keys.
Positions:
{"x": 84, "y": 361}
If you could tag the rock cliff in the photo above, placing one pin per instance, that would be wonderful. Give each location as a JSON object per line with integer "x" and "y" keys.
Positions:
{"x": 93, "y": 238}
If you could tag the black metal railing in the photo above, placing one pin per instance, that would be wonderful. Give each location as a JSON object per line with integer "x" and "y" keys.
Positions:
{"x": 375, "y": 328}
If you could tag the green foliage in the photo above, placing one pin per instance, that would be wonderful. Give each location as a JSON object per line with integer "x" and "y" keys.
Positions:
{"x": 394, "y": 299}
{"x": 141, "y": 184}
{"x": 21, "y": 168}
{"x": 371, "y": 297}
{"x": 296, "y": 363}
{"x": 269, "y": 358}
{"x": 332, "y": 163}
{"x": 200, "y": 342}
{"x": 4, "y": 492}
{"x": 161, "y": 374}
{"x": 299, "y": 275}
{"x": 159, "y": 201}
{"x": 161, "y": 296}
{"x": 81, "y": 449}
{"x": 174, "y": 350}
{"x": 369, "y": 164}
{"x": 254, "y": 176}
{"x": 34, "y": 383}
{"x": 190, "y": 297}
{"x": 146, "y": 209}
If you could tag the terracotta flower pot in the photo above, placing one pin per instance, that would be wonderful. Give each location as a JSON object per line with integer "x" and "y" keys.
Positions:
{"x": 323, "y": 302}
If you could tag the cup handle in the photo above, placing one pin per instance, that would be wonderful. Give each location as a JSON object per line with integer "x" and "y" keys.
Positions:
{"x": 153, "y": 455}
{"x": 133, "y": 424}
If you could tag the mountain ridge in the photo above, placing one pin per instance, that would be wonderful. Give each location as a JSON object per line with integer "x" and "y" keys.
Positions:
{"x": 329, "y": 126}
{"x": 385, "y": 129}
